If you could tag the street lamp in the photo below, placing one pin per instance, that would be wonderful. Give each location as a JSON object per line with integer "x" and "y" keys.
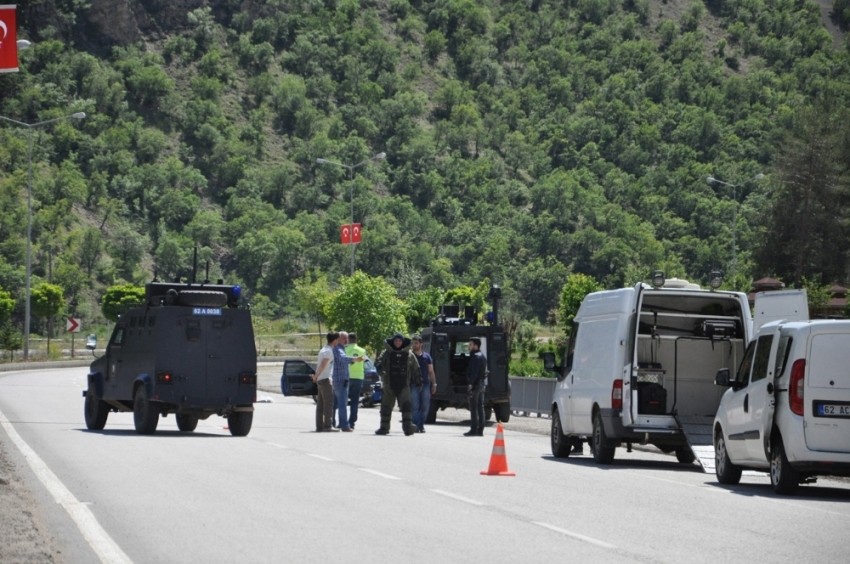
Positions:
{"x": 29, "y": 127}
{"x": 379, "y": 157}
{"x": 711, "y": 181}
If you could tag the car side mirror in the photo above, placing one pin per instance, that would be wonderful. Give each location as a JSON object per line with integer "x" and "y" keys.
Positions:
{"x": 722, "y": 378}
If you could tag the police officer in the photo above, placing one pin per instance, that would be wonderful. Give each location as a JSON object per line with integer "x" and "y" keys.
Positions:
{"x": 397, "y": 366}
{"x": 476, "y": 379}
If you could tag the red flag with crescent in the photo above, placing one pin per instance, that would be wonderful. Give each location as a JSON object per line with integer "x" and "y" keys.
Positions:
{"x": 356, "y": 232}
{"x": 8, "y": 38}
{"x": 345, "y": 234}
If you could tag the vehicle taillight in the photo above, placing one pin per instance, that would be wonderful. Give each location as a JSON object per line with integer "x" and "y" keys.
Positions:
{"x": 795, "y": 387}
{"x": 248, "y": 378}
{"x": 617, "y": 395}
{"x": 164, "y": 378}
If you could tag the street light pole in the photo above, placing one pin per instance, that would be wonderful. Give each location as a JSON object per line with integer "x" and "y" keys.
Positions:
{"x": 711, "y": 180}
{"x": 28, "y": 276}
{"x": 380, "y": 156}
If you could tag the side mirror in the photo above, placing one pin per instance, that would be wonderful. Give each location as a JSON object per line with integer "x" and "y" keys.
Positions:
{"x": 722, "y": 378}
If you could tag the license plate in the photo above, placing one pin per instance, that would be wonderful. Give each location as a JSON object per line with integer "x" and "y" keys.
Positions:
{"x": 832, "y": 409}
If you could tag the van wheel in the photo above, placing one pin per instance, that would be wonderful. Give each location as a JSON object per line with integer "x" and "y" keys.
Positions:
{"x": 186, "y": 422}
{"x": 685, "y": 455}
{"x": 603, "y": 451}
{"x": 561, "y": 446}
{"x": 240, "y": 423}
{"x": 145, "y": 417}
{"x": 727, "y": 473}
{"x": 783, "y": 478}
{"x": 96, "y": 412}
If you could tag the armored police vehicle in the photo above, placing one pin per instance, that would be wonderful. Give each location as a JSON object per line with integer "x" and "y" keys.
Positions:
{"x": 188, "y": 350}
{"x": 446, "y": 341}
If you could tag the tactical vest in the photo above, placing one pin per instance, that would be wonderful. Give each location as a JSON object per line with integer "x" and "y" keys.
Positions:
{"x": 397, "y": 370}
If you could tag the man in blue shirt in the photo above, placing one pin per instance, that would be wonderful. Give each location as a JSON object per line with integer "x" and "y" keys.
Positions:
{"x": 340, "y": 379}
{"x": 420, "y": 392}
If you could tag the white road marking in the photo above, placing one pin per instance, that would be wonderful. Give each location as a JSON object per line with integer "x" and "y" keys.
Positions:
{"x": 576, "y": 536}
{"x": 380, "y": 474}
{"x": 279, "y": 445}
{"x": 320, "y": 457}
{"x": 99, "y": 540}
{"x": 458, "y": 497}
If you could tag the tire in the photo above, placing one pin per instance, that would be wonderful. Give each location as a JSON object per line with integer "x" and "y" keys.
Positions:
{"x": 202, "y": 298}
{"x": 685, "y": 455}
{"x": 239, "y": 423}
{"x": 561, "y": 445}
{"x": 488, "y": 413}
{"x": 783, "y": 478}
{"x": 145, "y": 417}
{"x": 96, "y": 412}
{"x": 603, "y": 450}
{"x": 727, "y": 473}
{"x": 186, "y": 422}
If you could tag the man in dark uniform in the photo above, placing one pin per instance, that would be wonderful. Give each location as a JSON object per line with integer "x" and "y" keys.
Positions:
{"x": 476, "y": 380}
{"x": 397, "y": 366}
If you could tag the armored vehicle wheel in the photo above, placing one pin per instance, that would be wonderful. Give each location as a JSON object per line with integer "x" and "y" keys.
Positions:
{"x": 145, "y": 417}
{"x": 727, "y": 473}
{"x": 603, "y": 451}
{"x": 503, "y": 412}
{"x": 202, "y": 298}
{"x": 783, "y": 478}
{"x": 240, "y": 423}
{"x": 96, "y": 412}
{"x": 684, "y": 455}
{"x": 488, "y": 413}
{"x": 561, "y": 445}
{"x": 186, "y": 422}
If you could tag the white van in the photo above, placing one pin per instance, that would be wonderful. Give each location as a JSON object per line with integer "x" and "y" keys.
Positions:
{"x": 640, "y": 367}
{"x": 787, "y": 408}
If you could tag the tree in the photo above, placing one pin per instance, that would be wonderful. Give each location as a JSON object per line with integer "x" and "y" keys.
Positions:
{"x": 47, "y": 301}
{"x": 7, "y": 305}
{"x": 368, "y": 306}
{"x": 422, "y": 306}
{"x": 575, "y": 289}
{"x": 118, "y": 298}
{"x": 312, "y": 292}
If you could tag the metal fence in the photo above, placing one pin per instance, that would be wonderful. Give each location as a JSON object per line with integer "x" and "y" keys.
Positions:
{"x": 532, "y": 395}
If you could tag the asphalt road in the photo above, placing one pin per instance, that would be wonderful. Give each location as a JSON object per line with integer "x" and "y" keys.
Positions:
{"x": 285, "y": 493}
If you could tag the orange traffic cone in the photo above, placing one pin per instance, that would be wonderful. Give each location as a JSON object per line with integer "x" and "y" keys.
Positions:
{"x": 498, "y": 460}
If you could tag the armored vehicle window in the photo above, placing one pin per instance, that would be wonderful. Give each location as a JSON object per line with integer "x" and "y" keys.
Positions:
{"x": 118, "y": 337}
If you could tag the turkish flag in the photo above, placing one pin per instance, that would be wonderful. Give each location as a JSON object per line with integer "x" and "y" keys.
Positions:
{"x": 355, "y": 232}
{"x": 345, "y": 234}
{"x": 8, "y": 39}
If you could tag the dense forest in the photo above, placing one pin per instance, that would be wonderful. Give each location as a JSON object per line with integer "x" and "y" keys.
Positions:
{"x": 524, "y": 141}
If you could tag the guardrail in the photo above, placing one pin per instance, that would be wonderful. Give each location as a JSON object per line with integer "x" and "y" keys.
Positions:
{"x": 532, "y": 395}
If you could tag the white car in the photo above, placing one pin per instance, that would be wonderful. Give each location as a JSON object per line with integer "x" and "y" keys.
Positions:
{"x": 787, "y": 409}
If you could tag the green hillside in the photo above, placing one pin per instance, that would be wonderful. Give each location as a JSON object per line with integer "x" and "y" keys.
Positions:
{"x": 524, "y": 141}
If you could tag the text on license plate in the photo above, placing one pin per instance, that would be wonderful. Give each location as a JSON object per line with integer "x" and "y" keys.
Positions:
{"x": 832, "y": 410}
